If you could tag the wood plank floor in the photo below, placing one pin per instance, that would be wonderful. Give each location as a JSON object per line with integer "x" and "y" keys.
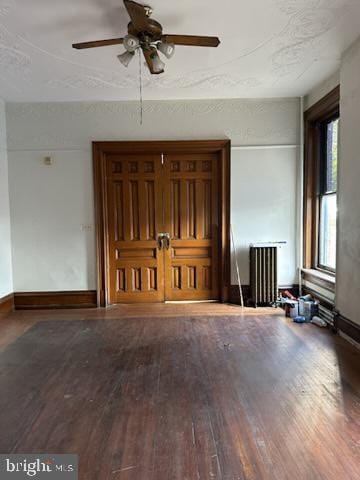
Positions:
{"x": 173, "y": 392}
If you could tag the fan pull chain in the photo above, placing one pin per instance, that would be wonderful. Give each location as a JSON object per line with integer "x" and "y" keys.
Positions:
{"x": 140, "y": 88}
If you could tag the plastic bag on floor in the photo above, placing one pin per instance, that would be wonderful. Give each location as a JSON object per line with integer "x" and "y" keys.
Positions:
{"x": 318, "y": 321}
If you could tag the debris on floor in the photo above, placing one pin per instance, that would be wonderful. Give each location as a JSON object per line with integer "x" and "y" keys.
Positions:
{"x": 304, "y": 309}
{"x": 318, "y": 321}
{"x": 308, "y": 307}
{"x": 291, "y": 308}
{"x": 300, "y": 319}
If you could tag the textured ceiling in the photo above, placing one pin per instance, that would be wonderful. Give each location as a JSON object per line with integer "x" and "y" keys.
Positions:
{"x": 269, "y": 48}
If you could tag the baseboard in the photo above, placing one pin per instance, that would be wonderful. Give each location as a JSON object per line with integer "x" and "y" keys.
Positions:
{"x": 54, "y": 300}
{"x": 349, "y": 339}
{"x": 348, "y": 327}
{"x": 246, "y": 290}
{"x": 235, "y": 294}
{"x": 6, "y": 305}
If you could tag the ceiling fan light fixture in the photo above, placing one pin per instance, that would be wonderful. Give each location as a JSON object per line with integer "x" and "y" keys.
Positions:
{"x": 131, "y": 43}
{"x": 158, "y": 65}
{"x": 167, "y": 49}
{"x": 126, "y": 57}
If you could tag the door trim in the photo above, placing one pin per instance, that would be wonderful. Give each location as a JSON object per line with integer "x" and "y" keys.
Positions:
{"x": 100, "y": 149}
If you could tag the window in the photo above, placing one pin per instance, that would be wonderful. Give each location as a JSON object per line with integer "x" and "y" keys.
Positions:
{"x": 327, "y": 200}
{"x": 320, "y": 183}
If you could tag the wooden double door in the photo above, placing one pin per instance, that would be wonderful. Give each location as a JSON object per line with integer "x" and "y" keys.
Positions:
{"x": 163, "y": 221}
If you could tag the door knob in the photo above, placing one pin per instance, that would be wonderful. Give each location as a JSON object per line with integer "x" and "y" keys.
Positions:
{"x": 167, "y": 240}
{"x": 161, "y": 238}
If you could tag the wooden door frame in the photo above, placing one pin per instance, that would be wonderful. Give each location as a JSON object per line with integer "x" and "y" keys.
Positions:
{"x": 101, "y": 149}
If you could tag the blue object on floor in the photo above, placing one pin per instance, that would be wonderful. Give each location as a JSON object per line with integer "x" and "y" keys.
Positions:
{"x": 300, "y": 319}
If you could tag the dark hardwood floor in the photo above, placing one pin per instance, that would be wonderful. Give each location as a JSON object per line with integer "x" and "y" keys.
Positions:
{"x": 173, "y": 392}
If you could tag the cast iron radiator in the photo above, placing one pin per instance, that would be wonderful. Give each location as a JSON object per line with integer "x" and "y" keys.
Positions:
{"x": 263, "y": 275}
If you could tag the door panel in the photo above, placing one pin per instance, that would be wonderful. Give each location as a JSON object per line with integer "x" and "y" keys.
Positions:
{"x": 134, "y": 215}
{"x": 192, "y": 219}
{"x": 145, "y": 197}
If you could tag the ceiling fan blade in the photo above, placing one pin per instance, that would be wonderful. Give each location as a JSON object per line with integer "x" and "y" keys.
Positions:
{"x": 98, "y": 43}
{"x": 191, "y": 40}
{"x": 152, "y": 57}
{"x": 137, "y": 14}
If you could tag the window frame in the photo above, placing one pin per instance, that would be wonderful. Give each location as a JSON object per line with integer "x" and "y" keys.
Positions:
{"x": 322, "y": 182}
{"x": 315, "y": 119}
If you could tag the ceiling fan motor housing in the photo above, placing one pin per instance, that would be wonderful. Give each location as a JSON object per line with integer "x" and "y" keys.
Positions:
{"x": 153, "y": 30}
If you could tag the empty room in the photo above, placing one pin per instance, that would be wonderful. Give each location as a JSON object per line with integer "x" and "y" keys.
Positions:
{"x": 180, "y": 240}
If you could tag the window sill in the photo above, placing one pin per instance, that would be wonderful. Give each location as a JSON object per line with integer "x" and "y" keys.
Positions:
{"x": 322, "y": 279}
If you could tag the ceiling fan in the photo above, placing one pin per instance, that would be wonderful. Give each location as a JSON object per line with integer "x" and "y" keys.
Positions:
{"x": 147, "y": 34}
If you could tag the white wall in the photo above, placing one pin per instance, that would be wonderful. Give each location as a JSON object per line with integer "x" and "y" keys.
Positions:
{"x": 348, "y": 259}
{"x": 321, "y": 90}
{"x": 50, "y": 209}
{"x": 50, "y": 205}
{"x": 6, "y": 282}
{"x": 263, "y": 206}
